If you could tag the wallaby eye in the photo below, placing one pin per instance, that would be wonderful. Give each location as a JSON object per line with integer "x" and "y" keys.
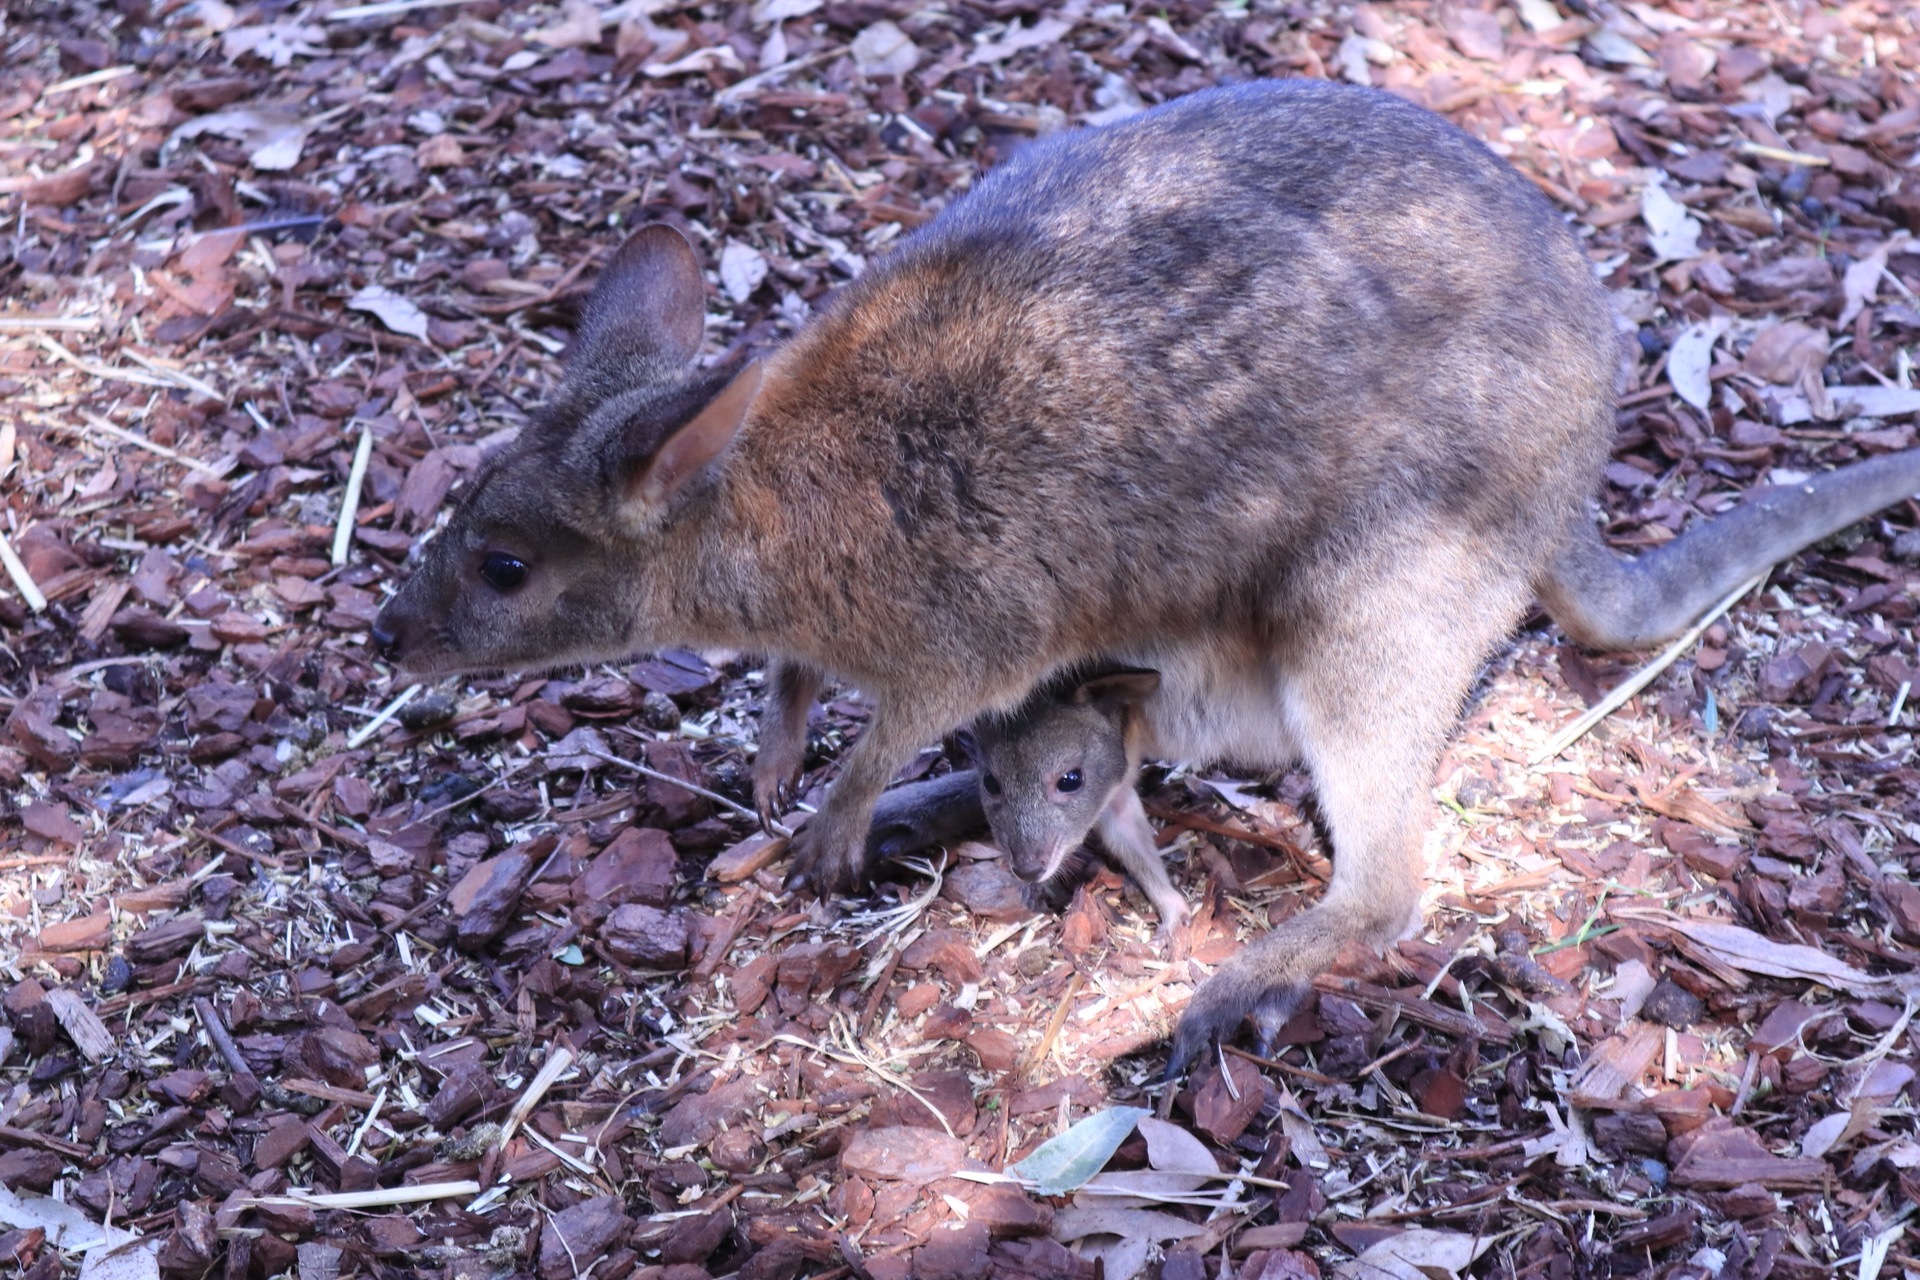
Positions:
{"x": 991, "y": 783}
{"x": 503, "y": 572}
{"x": 1070, "y": 780}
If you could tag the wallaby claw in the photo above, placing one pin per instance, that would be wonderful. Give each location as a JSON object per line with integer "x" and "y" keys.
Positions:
{"x": 774, "y": 798}
{"x": 1219, "y": 1006}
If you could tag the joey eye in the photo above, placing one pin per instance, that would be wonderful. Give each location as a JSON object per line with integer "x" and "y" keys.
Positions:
{"x": 991, "y": 783}
{"x": 1070, "y": 780}
{"x": 503, "y": 572}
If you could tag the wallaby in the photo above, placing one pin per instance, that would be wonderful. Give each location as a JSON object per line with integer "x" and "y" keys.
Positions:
{"x": 1290, "y": 391}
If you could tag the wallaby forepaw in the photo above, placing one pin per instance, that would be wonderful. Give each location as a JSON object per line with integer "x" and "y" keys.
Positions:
{"x": 824, "y": 863}
{"x": 1174, "y": 915}
{"x": 775, "y": 788}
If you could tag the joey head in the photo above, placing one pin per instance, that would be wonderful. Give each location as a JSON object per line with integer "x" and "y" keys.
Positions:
{"x": 1062, "y": 766}
{"x": 1290, "y": 391}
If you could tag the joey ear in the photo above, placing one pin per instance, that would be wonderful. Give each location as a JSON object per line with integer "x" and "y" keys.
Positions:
{"x": 650, "y": 301}
{"x": 1114, "y": 690}
{"x": 690, "y": 449}
{"x": 968, "y": 746}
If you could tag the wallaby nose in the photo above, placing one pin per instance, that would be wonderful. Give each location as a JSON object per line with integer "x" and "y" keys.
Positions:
{"x": 385, "y": 638}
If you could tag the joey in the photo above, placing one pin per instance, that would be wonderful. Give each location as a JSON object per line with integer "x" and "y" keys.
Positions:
{"x": 1289, "y": 391}
{"x": 1057, "y": 769}
{"x": 1063, "y": 765}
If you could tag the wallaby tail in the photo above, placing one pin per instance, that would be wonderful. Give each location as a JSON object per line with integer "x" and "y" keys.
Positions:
{"x": 1605, "y": 602}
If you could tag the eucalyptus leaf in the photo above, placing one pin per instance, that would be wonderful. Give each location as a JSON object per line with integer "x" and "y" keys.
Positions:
{"x": 1064, "y": 1163}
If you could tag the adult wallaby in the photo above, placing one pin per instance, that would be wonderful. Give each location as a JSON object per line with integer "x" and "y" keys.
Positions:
{"x": 1290, "y": 391}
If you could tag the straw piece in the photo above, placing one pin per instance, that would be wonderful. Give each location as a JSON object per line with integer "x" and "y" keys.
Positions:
{"x": 374, "y": 1199}
{"x": 1784, "y": 156}
{"x": 733, "y": 806}
{"x": 386, "y": 9}
{"x": 90, "y": 78}
{"x": 185, "y": 381}
{"x": 58, "y": 324}
{"x": 350, "y": 505}
{"x": 22, "y": 580}
{"x": 551, "y": 1070}
{"x": 1641, "y": 678}
{"x": 106, "y": 372}
{"x": 387, "y": 713}
{"x": 97, "y": 423}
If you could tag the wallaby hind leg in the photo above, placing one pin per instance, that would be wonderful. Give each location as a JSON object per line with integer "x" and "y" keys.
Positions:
{"x": 1128, "y": 838}
{"x": 781, "y": 752}
{"x": 1372, "y": 693}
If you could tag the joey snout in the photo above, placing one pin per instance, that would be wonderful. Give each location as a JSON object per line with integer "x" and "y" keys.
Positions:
{"x": 1038, "y": 860}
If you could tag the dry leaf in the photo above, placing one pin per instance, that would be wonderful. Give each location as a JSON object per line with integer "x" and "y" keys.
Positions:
{"x": 1119, "y": 1257}
{"x": 1416, "y": 1255}
{"x": 1171, "y": 1149}
{"x": 1071, "y": 1223}
{"x": 1690, "y": 360}
{"x": 278, "y": 43}
{"x": 742, "y": 268}
{"x": 1744, "y": 949}
{"x": 1855, "y": 402}
{"x": 766, "y": 11}
{"x": 273, "y": 136}
{"x": 1824, "y": 1134}
{"x": 1632, "y": 984}
{"x": 1044, "y": 32}
{"x": 883, "y": 49}
{"x": 579, "y": 27}
{"x": 392, "y": 310}
{"x": 1862, "y": 280}
{"x": 1787, "y": 352}
{"x": 1672, "y": 233}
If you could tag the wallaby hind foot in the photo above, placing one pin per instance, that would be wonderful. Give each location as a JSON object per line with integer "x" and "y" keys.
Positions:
{"x": 925, "y": 814}
{"x": 1268, "y": 981}
{"x": 1372, "y": 759}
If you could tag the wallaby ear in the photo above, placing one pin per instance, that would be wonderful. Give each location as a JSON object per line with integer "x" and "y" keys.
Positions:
{"x": 1115, "y": 690}
{"x": 650, "y": 301}
{"x": 689, "y": 450}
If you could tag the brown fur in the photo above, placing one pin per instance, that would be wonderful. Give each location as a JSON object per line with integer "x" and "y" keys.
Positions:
{"x": 1289, "y": 391}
